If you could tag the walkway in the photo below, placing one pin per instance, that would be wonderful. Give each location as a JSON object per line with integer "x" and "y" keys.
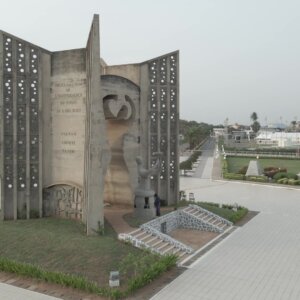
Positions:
{"x": 204, "y": 169}
{"x": 114, "y": 215}
{"x": 260, "y": 260}
{"x": 10, "y": 292}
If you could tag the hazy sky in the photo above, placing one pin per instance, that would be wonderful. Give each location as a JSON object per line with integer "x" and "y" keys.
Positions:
{"x": 236, "y": 56}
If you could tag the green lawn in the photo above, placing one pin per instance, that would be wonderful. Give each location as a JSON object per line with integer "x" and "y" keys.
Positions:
{"x": 236, "y": 163}
{"x": 61, "y": 246}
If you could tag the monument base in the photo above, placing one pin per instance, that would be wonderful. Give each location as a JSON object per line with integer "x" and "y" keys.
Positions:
{"x": 144, "y": 205}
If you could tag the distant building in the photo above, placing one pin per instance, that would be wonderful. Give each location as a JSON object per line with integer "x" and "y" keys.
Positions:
{"x": 278, "y": 139}
{"x": 219, "y": 131}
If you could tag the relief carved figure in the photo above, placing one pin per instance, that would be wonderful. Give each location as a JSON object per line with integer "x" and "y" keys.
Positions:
{"x": 144, "y": 175}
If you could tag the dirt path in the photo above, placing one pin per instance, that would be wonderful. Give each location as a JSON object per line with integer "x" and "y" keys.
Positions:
{"x": 114, "y": 215}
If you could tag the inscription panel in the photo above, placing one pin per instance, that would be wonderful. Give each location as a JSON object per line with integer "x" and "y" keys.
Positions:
{"x": 68, "y": 96}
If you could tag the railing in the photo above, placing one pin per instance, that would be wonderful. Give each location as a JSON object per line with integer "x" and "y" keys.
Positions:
{"x": 262, "y": 154}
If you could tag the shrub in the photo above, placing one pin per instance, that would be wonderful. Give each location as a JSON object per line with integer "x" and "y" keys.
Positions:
{"x": 285, "y": 175}
{"x": 282, "y": 181}
{"x": 225, "y": 166}
{"x": 234, "y": 176}
{"x": 188, "y": 164}
{"x": 239, "y": 214}
{"x": 288, "y": 181}
{"x": 257, "y": 178}
{"x": 292, "y": 181}
{"x": 243, "y": 170}
{"x": 271, "y": 171}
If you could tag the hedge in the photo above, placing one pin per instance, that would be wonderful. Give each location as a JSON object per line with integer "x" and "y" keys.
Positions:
{"x": 257, "y": 178}
{"x": 234, "y": 176}
{"x": 188, "y": 164}
{"x": 288, "y": 181}
{"x": 285, "y": 175}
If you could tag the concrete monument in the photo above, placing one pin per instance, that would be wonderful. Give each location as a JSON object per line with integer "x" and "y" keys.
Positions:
{"x": 254, "y": 168}
{"x": 72, "y": 127}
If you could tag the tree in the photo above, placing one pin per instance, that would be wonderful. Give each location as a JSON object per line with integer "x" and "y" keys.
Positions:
{"x": 255, "y": 125}
{"x": 293, "y": 125}
{"x": 194, "y": 132}
{"x": 254, "y": 116}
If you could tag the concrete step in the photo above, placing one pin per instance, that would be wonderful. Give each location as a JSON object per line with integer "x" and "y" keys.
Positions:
{"x": 132, "y": 233}
{"x": 206, "y": 217}
{"x": 181, "y": 254}
{"x": 159, "y": 241}
{"x": 216, "y": 221}
{"x": 146, "y": 237}
{"x": 161, "y": 247}
{"x": 198, "y": 213}
{"x": 136, "y": 232}
{"x": 152, "y": 240}
{"x": 168, "y": 250}
{"x": 224, "y": 226}
{"x": 140, "y": 234}
{"x": 210, "y": 220}
{"x": 183, "y": 257}
{"x": 176, "y": 251}
{"x": 202, "y": 215}
{"x": 188, "y": 209}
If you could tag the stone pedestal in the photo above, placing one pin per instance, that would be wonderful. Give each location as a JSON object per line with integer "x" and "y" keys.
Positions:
{"x": 144, "y": 204}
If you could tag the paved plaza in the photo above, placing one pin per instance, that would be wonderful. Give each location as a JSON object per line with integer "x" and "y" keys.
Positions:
{"x": 260, "y": 260}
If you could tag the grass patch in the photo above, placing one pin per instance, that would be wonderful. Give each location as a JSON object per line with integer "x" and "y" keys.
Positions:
{"x": 146, "y": 275}
{"x": 236, "y": 163}
{"x": 58, "y": 251}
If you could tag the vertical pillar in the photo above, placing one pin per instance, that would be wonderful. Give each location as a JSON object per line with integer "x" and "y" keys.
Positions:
{"x": 14, "y": 129}
{"x": 1, "y": 128}
{"x": 96, "y": 152}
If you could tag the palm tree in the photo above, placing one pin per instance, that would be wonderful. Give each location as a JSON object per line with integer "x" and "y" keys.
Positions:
{"x": 255, "y": 125}
{"x": 254, "y": 116}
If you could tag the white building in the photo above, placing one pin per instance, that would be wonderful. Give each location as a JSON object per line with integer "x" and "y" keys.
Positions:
{"x": 278, "y": 139}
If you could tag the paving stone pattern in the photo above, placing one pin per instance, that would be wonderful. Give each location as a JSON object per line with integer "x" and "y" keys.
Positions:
{"x": 260, "y": 260}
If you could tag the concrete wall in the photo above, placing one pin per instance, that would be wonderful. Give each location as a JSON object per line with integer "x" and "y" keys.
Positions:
{"x": 129, "y": 71}
{"x": 22, "y": 101}
{"x": 160, "y": 121}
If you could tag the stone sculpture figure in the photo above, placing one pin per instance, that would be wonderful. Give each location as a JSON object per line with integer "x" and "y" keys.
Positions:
{"x": 144, "y": 174}
{"x": 144, "y": 195}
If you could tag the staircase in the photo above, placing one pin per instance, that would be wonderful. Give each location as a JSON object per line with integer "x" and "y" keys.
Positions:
{"x": 148, "y": 236}
{"x": 156, "y": 241}
{"x": 209, "y": 220}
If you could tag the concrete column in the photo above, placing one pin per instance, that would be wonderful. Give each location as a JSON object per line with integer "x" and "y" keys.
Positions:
{"x": 96, "y": 148}
{"x": 1, "y": 129}
{"x": 15, "y": 116}
{"x": 27, "y": 191}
